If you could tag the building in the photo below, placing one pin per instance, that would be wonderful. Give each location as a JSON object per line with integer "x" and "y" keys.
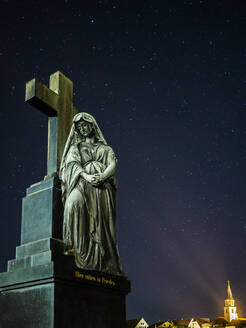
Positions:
{"x": 200, "y": 323}
{"x": 230, "y": 310}
{"x": 230, "y": 319}
{"x": 183, "y": 323}
{"x": 136, "y": 323}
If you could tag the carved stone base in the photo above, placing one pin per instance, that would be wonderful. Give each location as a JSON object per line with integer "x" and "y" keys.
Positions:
{"x": 43, "y": 288}
{"x": 47, "y": 290}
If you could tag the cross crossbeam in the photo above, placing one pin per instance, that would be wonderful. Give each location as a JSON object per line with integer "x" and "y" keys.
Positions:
{"x": 57, "y": 103}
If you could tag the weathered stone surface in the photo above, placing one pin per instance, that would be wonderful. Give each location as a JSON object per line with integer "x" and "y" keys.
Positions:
{"x": 62, "y": 304}
{"x": 42, "y": 211}
{"x": 27, "y": 307}
{"x": 44, "y": 288}
{"x": 57, "y": 100}
{"x": 56, "y": 294}
{"x": 36, "y": 253}
{"x": 25, "y": 276}
{"x": 39, "y": 246}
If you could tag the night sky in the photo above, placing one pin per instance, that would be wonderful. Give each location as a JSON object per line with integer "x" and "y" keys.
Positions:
{"x": 166, "y": 82}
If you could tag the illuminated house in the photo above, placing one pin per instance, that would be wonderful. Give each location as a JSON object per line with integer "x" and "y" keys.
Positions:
{"x": 184, "y": 323}
{"x": 230, "y": 310}
{"x": 200, "y": 323}
{"x": 136, "y": 323}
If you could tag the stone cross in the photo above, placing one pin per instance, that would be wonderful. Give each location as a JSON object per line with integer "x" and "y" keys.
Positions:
{"x": 57, "y": 103}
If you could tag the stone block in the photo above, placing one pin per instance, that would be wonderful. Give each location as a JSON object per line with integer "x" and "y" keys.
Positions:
{"x": 42, "y": 211}
{"x": 39, "y": 246}
{"x": 58, "y": 295}
{"x": 27, "y": 307}
{"x": 26, "y": 275}
{"x": 41, "y": 258}
{"x": 19, "y": 264}
{"x": 32, "y": 248}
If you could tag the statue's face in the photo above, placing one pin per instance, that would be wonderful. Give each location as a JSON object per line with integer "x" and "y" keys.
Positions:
{"x": 85, "y": 128}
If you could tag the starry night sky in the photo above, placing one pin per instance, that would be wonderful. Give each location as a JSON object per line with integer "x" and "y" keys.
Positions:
{"x": 166, "y": 82}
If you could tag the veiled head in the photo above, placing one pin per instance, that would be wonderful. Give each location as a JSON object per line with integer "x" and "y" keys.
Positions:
{"x": 85, "y": 125}
{"x": 84, "y": 128}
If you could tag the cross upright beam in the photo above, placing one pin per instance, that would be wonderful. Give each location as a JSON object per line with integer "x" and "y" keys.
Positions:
{"x": 57, "y": 103}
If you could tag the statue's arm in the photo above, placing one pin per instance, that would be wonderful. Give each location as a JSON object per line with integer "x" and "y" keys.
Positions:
{"x": 73, "y": 172}
{"x": 72, "y": 169}
{"x": 110, "y": 169}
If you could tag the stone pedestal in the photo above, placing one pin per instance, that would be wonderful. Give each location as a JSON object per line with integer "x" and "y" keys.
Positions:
{"x": 42, "y": 212}
{"x": 56, "y": 294}
{"x": 43, "y": 288}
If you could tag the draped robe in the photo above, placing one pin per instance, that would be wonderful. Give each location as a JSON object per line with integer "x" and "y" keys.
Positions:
{"x": 89, "y": 211}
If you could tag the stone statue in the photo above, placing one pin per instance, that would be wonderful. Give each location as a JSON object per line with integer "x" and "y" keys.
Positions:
{"x": 88, "y": 191}
{"x": 42, "y": 287}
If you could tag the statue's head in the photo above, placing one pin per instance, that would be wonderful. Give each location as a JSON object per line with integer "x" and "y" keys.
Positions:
{"x": 85, "y": 125}
{"x": 85, "y": 117}
{"x": 84, "y": 128}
